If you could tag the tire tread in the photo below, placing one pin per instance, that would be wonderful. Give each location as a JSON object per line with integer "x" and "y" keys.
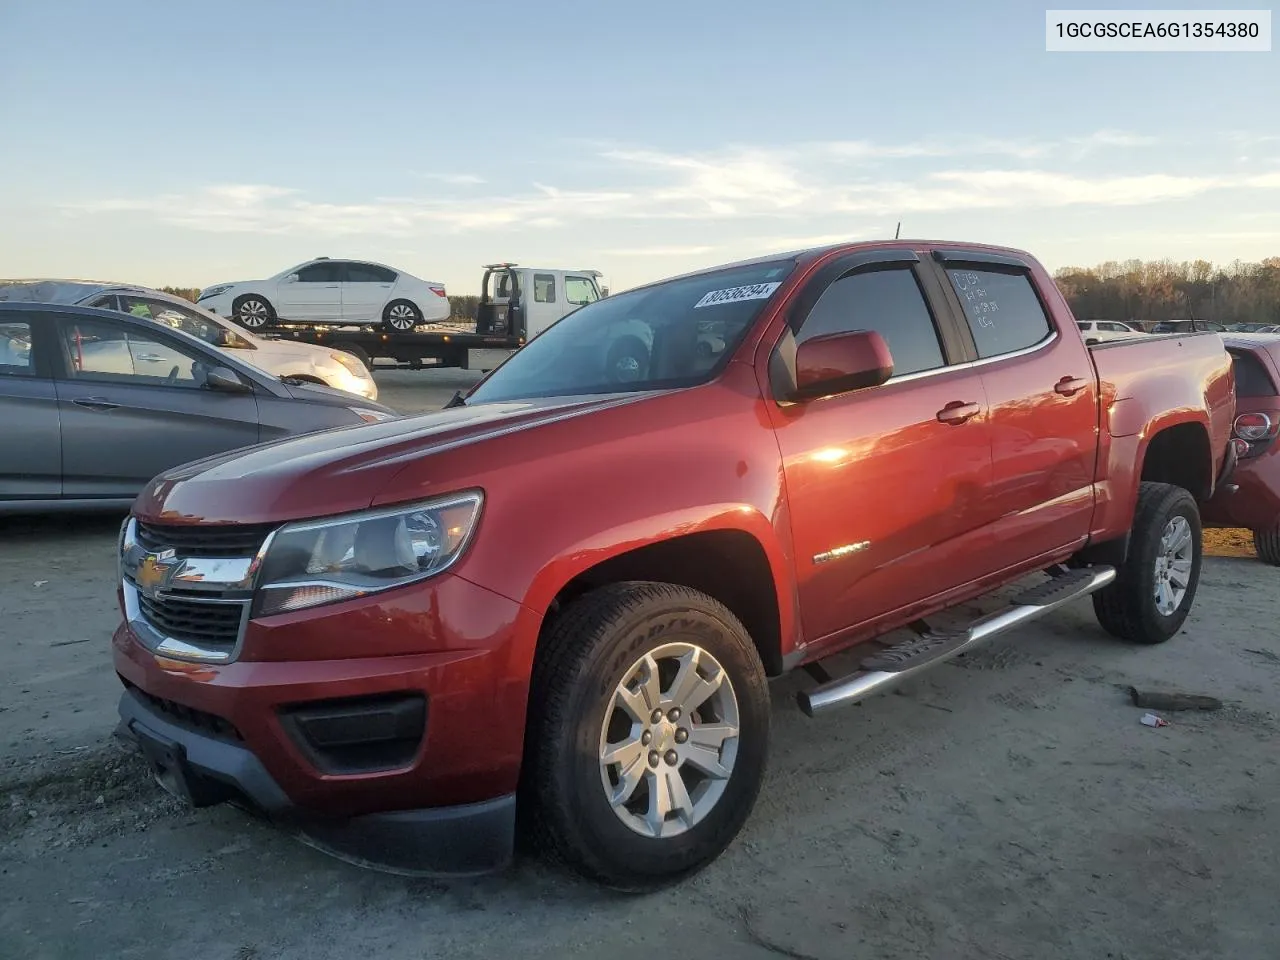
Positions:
{"x": 1117, "y": 606}
{"x": 568, "y": 643}
{"x": 1266, "y": 544}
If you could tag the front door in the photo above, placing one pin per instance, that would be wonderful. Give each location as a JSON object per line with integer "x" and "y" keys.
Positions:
{"x": 315, "y": 294}
{"x": 887, "y": 487}
{"x": 365, "y": 290}
{"x": 1042, "y": 390}
{"x": 31, "y": 441}
{"x": 132, "y": 405}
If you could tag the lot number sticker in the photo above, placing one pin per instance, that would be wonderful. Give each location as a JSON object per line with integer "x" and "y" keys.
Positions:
{"x": 752, "y": 291}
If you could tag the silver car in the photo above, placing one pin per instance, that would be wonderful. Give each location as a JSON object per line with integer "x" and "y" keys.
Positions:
{"x": 94, "y": 403}
{"x": 302, "y": 361}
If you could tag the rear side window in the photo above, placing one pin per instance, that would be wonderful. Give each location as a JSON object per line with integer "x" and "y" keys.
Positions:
{"x": 368, "y": 273}
{"x": 544, "y": 288}
{"x": 16, "y": 359}
{"x": 1003, "y": 310}
{"x": 1252, "y": 379}
{"x": 888, "y": 302}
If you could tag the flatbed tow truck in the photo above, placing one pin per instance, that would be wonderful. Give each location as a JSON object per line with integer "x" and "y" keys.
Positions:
{"x": 516, "y": 304}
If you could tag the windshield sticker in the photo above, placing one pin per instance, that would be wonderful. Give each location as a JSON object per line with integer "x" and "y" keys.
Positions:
{"x": 752, "y": 291}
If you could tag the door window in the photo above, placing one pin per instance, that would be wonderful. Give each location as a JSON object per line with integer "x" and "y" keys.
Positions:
{"x": 1003, "y": 310}
{"x": 16, "y": 357}
{"x": 108, "y": 353}
{"x": 319, "y": 273}
{"x": 580, "y": 291}
{"x": 544, "y": 288}
{"x": 368, "y": 273}
{"x": 888, "y": 302}
{"x": 188, "y": 321}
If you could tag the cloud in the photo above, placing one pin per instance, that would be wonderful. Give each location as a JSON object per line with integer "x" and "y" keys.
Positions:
{"x": 674, "y": 251}
{"x": 454, "y": 179}
{"x": 808, "y": 184}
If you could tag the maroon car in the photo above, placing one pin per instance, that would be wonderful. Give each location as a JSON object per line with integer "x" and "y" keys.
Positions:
{"x": 1252, "y": 499}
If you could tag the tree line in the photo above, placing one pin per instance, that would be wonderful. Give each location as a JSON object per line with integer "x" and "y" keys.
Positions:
{"x": 1147, "y": 292}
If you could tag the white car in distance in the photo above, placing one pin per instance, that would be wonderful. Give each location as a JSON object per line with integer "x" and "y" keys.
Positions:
{"x": 327, "y": 291}
{"x": 1101, "y": 331}
{"x": 301, "y": 362}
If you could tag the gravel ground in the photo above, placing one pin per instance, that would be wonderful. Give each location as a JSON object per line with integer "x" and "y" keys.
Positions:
{"x": 1008, "y": 806}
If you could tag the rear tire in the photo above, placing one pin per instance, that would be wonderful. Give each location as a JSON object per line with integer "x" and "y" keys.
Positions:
{"x": 608, "y": 682}
{"x": 401, "y": 316}
{"x": 1156, "y": 586}
{"x": 1266, "y": 544}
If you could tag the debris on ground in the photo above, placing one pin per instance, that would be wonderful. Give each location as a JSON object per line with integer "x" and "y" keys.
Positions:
{"x": 1151, "y": 720}
{"x": 1168, "y": 700}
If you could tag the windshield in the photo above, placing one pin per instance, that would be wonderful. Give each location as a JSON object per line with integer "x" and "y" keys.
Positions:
{"x": 672, "y": 334}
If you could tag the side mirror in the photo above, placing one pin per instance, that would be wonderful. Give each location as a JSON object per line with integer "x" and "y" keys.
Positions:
{"x": 841, "y": 362}
{"x": 225, "y": 381}
{"x": 291, "y": 278}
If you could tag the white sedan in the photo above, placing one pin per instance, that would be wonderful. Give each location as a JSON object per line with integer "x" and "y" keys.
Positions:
{"x": 300, "y": 362}
{"x": 1103, "y": 330}
{"x": 331, "y": 291}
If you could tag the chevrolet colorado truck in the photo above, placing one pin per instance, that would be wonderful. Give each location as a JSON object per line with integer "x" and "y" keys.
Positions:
{"x": 567, "y": 590}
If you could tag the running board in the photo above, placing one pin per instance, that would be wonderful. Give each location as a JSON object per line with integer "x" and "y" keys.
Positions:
{"x": 894, "y": 664}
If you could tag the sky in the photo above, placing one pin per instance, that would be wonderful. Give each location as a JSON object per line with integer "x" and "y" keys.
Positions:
{"x": 175, "y": 143}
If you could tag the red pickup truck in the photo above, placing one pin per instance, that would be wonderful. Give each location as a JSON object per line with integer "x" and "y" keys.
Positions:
{"x": 572, "y": 585}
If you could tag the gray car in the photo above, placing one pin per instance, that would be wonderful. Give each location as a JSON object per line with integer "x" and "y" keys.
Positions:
{"x": 94, "y": 403}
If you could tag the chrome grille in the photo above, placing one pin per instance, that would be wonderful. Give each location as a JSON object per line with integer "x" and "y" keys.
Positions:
{"x": 209, "y": 625}
{"x": 188, "y": 589}
{"x": 215, "y": 540}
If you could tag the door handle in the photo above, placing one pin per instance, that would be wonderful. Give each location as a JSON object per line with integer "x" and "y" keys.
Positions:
{"x": 1068, "y": 386}
{"x": 150, "y": 357}
{"x": 957, "y": 412}
{"x": 95, "y": 403}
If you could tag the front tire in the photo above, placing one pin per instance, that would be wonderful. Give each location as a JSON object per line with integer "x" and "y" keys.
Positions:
{"x": 1156, "y": 586}
{"x": 401, "y": 316}
{"x": 1266, "y": 544}
{"x": 648, "y": 734}
{"x": 253, "y": 312}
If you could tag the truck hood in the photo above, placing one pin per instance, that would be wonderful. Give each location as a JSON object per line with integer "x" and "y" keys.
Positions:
{"x": 340, "y": 470}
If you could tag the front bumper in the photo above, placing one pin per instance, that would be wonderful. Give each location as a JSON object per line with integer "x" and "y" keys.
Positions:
{"x": 246, "y": 730}
{"x": 204, "y": 769}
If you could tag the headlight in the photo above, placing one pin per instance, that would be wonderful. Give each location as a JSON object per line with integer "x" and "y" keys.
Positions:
{"x": 353, "y": 364}
{"x": 371, "y": 416}
{"x": 325, "y": 561}
{"x": 214, "y": 291}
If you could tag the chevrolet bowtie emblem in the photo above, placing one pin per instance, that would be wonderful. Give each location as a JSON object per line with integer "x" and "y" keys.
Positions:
{"x": 154, "y": 570}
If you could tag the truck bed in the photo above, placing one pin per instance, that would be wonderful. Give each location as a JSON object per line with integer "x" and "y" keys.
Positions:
{"x": 1147, "y": 384}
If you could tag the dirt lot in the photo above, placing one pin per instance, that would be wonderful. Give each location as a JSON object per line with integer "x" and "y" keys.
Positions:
{"x": 1008, "y": 806}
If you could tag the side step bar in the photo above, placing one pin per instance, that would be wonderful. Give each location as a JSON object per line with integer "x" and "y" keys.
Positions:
{"x": 895, "y": 664}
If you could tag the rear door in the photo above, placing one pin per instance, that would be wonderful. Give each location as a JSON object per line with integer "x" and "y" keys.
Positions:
{"x": 887, "y": 487}
{"x": 365, "y": 291}
{"x": 31, "y": 441}
{"x": 132, "y": 405}
{"x": 314, "y": 294}
{"x": 1040, "y": 383}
